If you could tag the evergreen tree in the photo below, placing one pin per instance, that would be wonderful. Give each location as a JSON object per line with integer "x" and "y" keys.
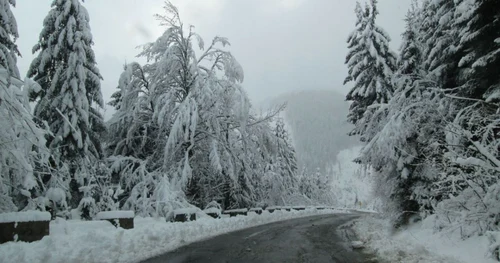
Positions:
{"x": 130, "y": 128}
{"x": 443, "y": 154}
{"x": 286, "y": 157}
{"x": 413, "y": 120}
{"x": 371, "y": 65}
{"x": 22, "y": 141}
{"x": 22, "y": 147}
{"x": 8, "y": 35}
{"x": 70, "y": 94}
{"x": 410, "y": 56}
{"x": 480, "y": 46}
{"x": 473, "y": 153}
{"x": 441, "y": 42}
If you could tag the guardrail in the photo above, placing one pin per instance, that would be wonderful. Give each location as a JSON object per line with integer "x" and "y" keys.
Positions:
{"x": 34, "y": 225}
{"x": 184, "y": 215}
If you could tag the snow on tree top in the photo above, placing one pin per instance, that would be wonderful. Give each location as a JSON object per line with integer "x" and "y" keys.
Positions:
{"x": 114, "y": 215}
{"x": 27, "y": 216}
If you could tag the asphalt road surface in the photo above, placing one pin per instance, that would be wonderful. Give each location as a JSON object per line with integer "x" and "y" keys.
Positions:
{"x": 313, "y": 239}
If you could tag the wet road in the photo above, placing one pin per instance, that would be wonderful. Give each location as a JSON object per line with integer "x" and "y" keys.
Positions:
{"x": 313, "y": 239}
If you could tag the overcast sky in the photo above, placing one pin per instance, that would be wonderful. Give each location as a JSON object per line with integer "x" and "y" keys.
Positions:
{"x": 283, "y": 45}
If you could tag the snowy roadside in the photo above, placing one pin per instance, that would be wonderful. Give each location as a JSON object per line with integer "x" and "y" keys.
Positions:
{"x": 418, "y": 243}
{"x": 99, "y": 241}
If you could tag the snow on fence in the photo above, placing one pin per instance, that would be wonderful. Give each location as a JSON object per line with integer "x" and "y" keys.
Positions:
{"x": 271, "y": 209}
{"x": 236, "y": 212}
{"x": 123, "y": 219}
{"x": 34, "y": 225}
{"x": 185, "y": 214}
{"x": 26, "y": 226}
{"x": 99, "y": 241}
{"x": 298, "y": 208}
{"x": 256, "y": 210}
{"x": 213, "y": 212}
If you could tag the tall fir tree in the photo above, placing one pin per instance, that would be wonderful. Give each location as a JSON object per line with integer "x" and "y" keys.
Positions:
{"x": 286, "y": 156}
{"x": 371, "y": 65}
{"x": 410, "y": 53}
{"x": 480, "y": 46}
{"x": 441, "y": 42}
{"x": 8, "y": 35}
{"x": 70, "y": 94}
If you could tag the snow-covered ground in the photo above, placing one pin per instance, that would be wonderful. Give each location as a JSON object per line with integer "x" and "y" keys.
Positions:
{"x": 351, "y": 183}
{"x": 419, "y": 243}
{"x": 99, "y": 241}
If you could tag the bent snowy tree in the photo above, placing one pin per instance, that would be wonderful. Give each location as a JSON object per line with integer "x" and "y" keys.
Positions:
{"x": 192, "y": 136}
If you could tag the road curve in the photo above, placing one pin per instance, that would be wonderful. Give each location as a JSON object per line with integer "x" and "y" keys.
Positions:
{"x": 314, "y": 239}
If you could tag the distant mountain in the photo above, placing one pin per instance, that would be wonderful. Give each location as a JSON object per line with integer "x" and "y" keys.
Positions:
{"x": 318, "y": 123}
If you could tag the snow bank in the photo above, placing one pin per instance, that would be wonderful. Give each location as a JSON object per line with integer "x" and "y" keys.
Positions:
{"x": 419, "y": 243}
{"x": 114, "y": 215}
{"x": 99, "y": 241}
{"x": 27, "y": 216}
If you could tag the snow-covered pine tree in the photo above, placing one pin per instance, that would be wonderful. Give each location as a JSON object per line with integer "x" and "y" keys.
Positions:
{"x": 410, "y": 52}
{"x": 8, "y": 36}
{"x": 22, "y": 146}
{"x": 371, "y": 65}
{"x": 70, "y": 95}
{"x": 22, "y": 141}
{"x": 441, "y": 42}
{"x": 131, "y": 129}
{"x": 407, "y": 132}
{"x": 480, "y": 44}
{"x": 287, "y": 160}
{"x": 473, "y": 153}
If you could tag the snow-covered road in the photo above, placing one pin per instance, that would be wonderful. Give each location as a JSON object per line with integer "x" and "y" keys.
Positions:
{"x": 308, "y": 239}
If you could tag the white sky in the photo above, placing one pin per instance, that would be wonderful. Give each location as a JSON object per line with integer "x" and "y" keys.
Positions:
{"x": 283, "y": 45}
